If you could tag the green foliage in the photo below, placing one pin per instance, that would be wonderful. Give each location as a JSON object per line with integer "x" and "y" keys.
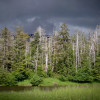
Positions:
{"x": 10, "y": 80}
{"x": 82, "y": 76}
{"x": 31, "y": 75}
{"x": 65, "y": 52}
{"x": 96, "y": 69}
{"x": 55, "y": 75}
{"x": 24, "y": 82}
{"x": 18, "y": 76}
{"x": 35, "y": 43}
{"x": 3, "y": 74}
{"x": 7, "y": 78}
{"x": 22, "y": 74}
{"x": 63, "y": 35}
{"x": 36, "y": 80}
{"x": 49, "y": 72}
{"x": 40, "y": 72}
{"x": 7, "y": 48}
{"x": 63, "y": 78}
{"x": 72, "y": 57}
{"x": 28, "y": 73}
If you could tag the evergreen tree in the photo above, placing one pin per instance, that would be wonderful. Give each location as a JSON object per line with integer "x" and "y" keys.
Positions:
{"x": 6, "y": 49}
{"x": 35, "y": 49}
{"x": 64, "y": 52}
{"x": 19, "y": 48}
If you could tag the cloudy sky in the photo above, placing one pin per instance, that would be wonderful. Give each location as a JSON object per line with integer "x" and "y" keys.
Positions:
{"x": 49, "y": 14}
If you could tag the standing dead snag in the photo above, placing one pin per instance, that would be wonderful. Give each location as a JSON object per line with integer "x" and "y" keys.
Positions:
{"x": 46, "y": 54}
{"x": 77, "y": 51}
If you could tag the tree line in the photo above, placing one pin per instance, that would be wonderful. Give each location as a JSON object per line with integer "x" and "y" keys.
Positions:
{"x": 75, "y": 57}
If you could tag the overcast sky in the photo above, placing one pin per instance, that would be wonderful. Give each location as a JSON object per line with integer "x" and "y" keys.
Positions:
{"x": 49, "y": 14}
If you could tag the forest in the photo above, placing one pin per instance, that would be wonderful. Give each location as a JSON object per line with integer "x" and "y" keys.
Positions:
{"x": 68, "y": 57}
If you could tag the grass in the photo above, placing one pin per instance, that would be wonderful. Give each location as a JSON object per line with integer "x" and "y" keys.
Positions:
{"x": 51, "y": 82}
{"x": 47, "y": 82}
{"x": 25, "y": 82}
{"x": 83, "y": 92}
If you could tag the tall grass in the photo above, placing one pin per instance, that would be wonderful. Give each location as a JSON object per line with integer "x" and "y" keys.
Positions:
{"x": 77, "y": 92}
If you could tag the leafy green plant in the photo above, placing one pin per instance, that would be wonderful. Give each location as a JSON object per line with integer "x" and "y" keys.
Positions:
{"x": 3, "y": 74}
{"x": 36, "y": 80}
{"x": 28, "y": 73}
{"x": 82, "y": 76}
{"x": 18, "y": 76}
{"x": 40, "y": 72}
{"x": 63, "y": 78}
{"x": 10, "y": 80}
{"x": 50, "y": 73}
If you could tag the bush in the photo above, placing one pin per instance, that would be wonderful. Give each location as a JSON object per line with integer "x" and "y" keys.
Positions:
{"x": 55, "y": 75}
{"x": 28, "y": 73}
{"x": 18, "y": 76}
{"x": 7, "y": 78}
{"x": 36, "y": 80}
{"x": 31, "y": 75}
{"x": 3, "y": 74}
{"x": 50, "y": 73}
{"x": 82, "y": 76}
{"x": 96, "y": 69}
{"x": 10, "y": 80}
{"x": 63, "y": 78}
{"x": 40, "y": 72}
{"x": 96, "y": 74}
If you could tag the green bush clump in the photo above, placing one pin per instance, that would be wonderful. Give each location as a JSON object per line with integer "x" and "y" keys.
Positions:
{"x": 3, "y": 74}
{"x": 96, "y": 69}
{"x": 40, "y": 72}
{"x": 50, "y": 73}
{"x": 82, "y": 76}
{"x": 31, "y": 75}
{"x": 18, "y": 76}
{"x": 63, "y": 78}
{"x": 10, "y": 80}
{"x": 28, "y": 73}
{"x": 36, "y": 80}
{"x": 22, "y": 75}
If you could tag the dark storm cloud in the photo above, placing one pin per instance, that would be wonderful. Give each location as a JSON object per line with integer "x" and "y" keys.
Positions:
{"x": 84, "y": 13}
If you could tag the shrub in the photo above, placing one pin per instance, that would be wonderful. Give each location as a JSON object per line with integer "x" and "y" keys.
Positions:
{"x": 40, "y": 72}
{"x": 10, "y": 80}
{"x": 31, "y": 75}
{"x": 63, "y": 78}
{"x": 28, "y": 73}
{"x": 50, "y": 73}
{"x": 18, "y": 76}
{"x": 96, "y": 74}
{"x": 22, "y": 75}
{"x": 3, "y": 74}
{"x": 36, "y": 80}
{"x": 96, "y": 69}
{"x": 55, "y": 75}
{"x": 82, "y": 76}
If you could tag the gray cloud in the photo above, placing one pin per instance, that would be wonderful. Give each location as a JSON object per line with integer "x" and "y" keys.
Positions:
{"x": 48, "y": 13}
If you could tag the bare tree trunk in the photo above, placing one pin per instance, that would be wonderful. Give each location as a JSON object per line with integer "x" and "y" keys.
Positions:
{"x": 77, "y": 52}
{"x": 46, "y": 56}
{"x": 46, "y": 67}
{"x": 36, "y": 61}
